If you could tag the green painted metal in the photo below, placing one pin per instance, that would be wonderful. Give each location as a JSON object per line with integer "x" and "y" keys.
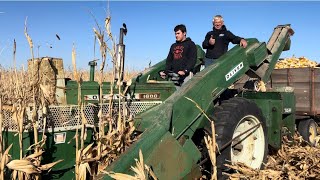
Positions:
{"x": 180, "y": 117}
{"x": 276, "y": 46}
{"x": 278, "y": 108}
{"x": 254, "y": 57}
{"x": 53, "y": 152}
{"x": 152, "y": 73}
{"x": 88, "y": 87}
{"x": 148, "y": 81}
{"x": 157, "y": 142}
{"x": 92, "y": 65}
{"x": 164, "y": 88}
{"x": 289, "y": 101}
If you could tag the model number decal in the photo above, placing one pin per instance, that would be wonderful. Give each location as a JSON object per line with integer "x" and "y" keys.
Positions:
{"x": 234, "y": 71}
{"x": 96, "y": 97}
{"x": 148, "y": 96}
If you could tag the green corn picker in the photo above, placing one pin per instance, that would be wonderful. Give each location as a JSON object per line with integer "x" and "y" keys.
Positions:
{"x": 247, "y": 121}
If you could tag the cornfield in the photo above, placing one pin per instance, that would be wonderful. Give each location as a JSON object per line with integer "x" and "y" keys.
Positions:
{"x": 21, "y": 89}
{"x": 16, "y": 83}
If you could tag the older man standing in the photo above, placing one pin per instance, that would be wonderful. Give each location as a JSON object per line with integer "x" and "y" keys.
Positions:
{"x": 216, "y": 41}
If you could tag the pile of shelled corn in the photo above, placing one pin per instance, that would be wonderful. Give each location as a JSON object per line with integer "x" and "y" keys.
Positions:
{"x": 294, "y": 62}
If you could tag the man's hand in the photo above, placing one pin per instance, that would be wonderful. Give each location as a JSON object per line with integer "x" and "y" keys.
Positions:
{"x": 162, "y": 75}
{"x": 243, "y": 43}
{"x": 212, "y": 41}
{"x": 181, "y": 73}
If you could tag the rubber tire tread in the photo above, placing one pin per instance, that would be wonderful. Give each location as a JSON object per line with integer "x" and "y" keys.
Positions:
{"x": 226, "y": 118}
{"x": 303, "y": 129}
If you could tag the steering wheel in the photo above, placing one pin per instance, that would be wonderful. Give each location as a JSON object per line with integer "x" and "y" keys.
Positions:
{"x": 171, "y": 75}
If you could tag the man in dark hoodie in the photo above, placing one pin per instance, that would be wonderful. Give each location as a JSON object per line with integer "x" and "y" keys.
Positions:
{"x": 182, "y": 55}
{"x": 216, "y": 41}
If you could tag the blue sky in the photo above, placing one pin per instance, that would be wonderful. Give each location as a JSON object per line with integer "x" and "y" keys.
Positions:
{"x": 150, "y": 27}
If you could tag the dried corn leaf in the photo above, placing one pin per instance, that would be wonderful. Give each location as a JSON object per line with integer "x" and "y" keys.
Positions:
{"x": 298, "y": 161}
{"x": 45, "y": 167}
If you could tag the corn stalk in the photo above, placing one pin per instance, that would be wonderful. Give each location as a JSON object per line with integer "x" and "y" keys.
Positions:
{"x": 113, "y": 57}
{"x": 5, "y": 158}
{"x": 141, "y": 170}
{"x": 1, "y": 126}
{"x": 76, "y": 76}
{"x": 209, "y": 141}
{"x": 34, "y": 83}
{"x": 211, "y": 146}
{"x": 18, "y": 115}
{"x": 111, "y": 145}
{"x": 34, "y": 117}
{"x": 1, "y": 170}
{"x": 14, "y": 58}
{"x": 100, "y": 37}
{"x": 80, "y": 168}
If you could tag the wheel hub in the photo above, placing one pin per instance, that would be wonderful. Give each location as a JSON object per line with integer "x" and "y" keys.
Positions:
{"x": 249, "y": 147}
{"x": 313, "y": 134}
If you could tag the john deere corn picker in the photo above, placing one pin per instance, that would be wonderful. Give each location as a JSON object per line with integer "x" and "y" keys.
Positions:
{"x": 171, "y": 127}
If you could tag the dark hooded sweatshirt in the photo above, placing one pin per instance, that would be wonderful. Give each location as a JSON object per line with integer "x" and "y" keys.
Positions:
{"x": 222, "y": 37}
{"x": 182, "y": 56}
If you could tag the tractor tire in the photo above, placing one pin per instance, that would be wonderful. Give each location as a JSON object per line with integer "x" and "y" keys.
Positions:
{"x": 308, "y": 130}
{"x": 232, "y": 118}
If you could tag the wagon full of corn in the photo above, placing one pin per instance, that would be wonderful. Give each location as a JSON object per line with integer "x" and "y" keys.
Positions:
{"x": 303, "y": 75}
{"x": 294, "y": 62}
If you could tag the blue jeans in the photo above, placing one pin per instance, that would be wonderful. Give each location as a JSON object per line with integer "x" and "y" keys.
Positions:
{"x": 208, "y": 61}
{"x": 184, "y": 81}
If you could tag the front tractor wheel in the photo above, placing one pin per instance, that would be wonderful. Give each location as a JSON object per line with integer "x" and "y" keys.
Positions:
{"x": 241, "y": 121}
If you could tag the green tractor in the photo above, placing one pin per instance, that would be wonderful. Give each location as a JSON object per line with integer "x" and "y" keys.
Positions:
{"x": 247, "y": 121}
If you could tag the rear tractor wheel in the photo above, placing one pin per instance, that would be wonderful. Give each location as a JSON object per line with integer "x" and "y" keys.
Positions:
{"x": 242, "y": 135}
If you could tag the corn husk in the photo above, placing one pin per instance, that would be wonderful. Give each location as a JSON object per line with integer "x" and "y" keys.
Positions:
{"x": 23, "y": 166}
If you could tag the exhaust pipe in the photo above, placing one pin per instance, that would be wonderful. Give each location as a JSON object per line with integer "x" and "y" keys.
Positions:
{"x": 120, "y": 53}
{"x": 92, "y": 65}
